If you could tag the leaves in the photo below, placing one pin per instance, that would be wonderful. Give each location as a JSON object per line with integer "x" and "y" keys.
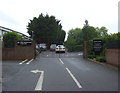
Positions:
{"x": 46, "y": 29}
{"x": 9, "y": 39}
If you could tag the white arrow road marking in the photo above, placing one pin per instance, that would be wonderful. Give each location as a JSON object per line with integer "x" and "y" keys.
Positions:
{"x": 23, "y": 61}
{"x": 73, "y": 77}
{"x": 40, "y": 80}
{"x": 35, "y": 71}
{"x": 61, "y": 61}
{"x": 29, "y": 61}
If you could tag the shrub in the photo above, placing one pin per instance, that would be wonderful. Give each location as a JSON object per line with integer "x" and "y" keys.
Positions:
{"x": 9, "y": 39}
{"x": 91, "y": 56}
{"x": 101, "y": 58}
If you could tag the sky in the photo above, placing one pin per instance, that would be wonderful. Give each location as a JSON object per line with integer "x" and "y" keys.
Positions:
{"x": 15, "y": 14}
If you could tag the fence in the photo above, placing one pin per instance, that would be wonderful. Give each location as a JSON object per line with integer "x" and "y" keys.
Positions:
{"x": 113, "y": 52}
{"x": 19, "y": 52}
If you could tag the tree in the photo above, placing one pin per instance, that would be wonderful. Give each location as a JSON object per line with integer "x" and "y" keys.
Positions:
{"x": 9, "y": 39}
{"x": 61, "y": 37}
{"x": 89, "y": 33}
{"x": 46, "y": 29}
{"x": 74, "y": 40}
{"x": 102, "y": 32}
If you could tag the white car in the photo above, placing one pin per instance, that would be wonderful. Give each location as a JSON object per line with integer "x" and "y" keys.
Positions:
{"x": 60, "y": 49}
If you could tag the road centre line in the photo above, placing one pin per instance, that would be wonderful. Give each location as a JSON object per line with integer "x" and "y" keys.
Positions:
{"x": 29, "y": 61}
{"x": 23, "y": 61}
{"x": 61, "y": 61}
{"x": 40, "y": 81}
{"x": 73, "y": 77}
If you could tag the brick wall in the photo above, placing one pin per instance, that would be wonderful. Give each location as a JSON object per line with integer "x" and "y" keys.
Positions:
{"x": 113, "y": 56}
{"x": 85, "y": 49}
{"x": 19, "y": 52}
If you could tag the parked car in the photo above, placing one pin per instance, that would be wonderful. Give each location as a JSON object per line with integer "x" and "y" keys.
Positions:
{"x": 43, "y": 46}
{"x": 52, "y": 47}
{"x": 60, "y": 49}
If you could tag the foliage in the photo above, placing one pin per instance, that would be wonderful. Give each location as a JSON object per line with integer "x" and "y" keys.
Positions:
{"x": 109, "y": 41}
{"x": 89, "y": 33}
{"x": 74, "y": 40}
{"x": 102, "y": 32}
{"x": 75, "y": 48}
{"x": 46, "y": 29}
{"x": 9, "y": 39}
{"x": 101, "y": 58}
{"x": 91, "y": 56}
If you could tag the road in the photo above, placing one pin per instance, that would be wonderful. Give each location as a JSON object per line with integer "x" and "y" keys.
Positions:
{"x": 58, "y": 72}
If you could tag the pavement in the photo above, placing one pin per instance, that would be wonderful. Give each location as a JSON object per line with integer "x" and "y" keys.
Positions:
{"x": 58, "y": 72}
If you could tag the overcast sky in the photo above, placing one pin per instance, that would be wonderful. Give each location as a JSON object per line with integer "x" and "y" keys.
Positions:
{"x": 15, "y": 14}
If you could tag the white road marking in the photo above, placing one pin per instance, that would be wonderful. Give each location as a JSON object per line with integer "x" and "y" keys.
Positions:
{"x": 35, "y": 71}
{"x": 23, "y": 61}
{"x": 29, "y": 61}
{"x": 73, "y": 77}
{"x": 61, "y": 61}
{"x": 40, "y": 81}
{"x": 47, "y": 55}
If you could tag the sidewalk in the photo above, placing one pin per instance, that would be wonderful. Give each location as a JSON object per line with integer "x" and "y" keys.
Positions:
{"x": 104, "y": 63}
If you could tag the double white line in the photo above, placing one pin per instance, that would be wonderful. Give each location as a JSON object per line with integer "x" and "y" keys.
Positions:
{"x": 25, "y": 61}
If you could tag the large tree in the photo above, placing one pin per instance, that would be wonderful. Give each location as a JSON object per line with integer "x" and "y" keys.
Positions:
{"x": 89, "y": 33}
{"x": 102, "y": 32}
{"x": 74, "y": 39}
{"x": 46, "y": 29}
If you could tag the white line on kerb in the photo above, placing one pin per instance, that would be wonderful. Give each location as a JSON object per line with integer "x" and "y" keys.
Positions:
{"x": 61, "y": 61}
{"x": 29, "y": 61}
{"x": 73, "y": 77}
{"x": 23, "y": 61}
{"x": 40, "y": 81}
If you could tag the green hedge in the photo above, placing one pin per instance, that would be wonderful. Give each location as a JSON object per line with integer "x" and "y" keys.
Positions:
{"x": 9, "y": 39}
{"x": 91, "y": 56}
{"x": 101, "y": 58}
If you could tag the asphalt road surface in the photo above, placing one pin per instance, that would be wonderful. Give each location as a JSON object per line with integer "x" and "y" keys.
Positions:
{"x": 58, "y": 72}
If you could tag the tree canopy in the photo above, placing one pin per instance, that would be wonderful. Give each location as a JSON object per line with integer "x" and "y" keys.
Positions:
{"x": 89, "y": 32}
{"x": 77, "y": 36}
{"x": 46, "y": 29}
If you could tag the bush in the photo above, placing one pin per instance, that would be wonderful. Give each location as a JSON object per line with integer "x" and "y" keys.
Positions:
{"x": 9, "y": 39}
{"x": 91, "y": 56}
{"x": 101, "y": 58}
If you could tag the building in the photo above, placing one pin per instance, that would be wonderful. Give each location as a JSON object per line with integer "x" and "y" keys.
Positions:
{"x": 4, "y": 30}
